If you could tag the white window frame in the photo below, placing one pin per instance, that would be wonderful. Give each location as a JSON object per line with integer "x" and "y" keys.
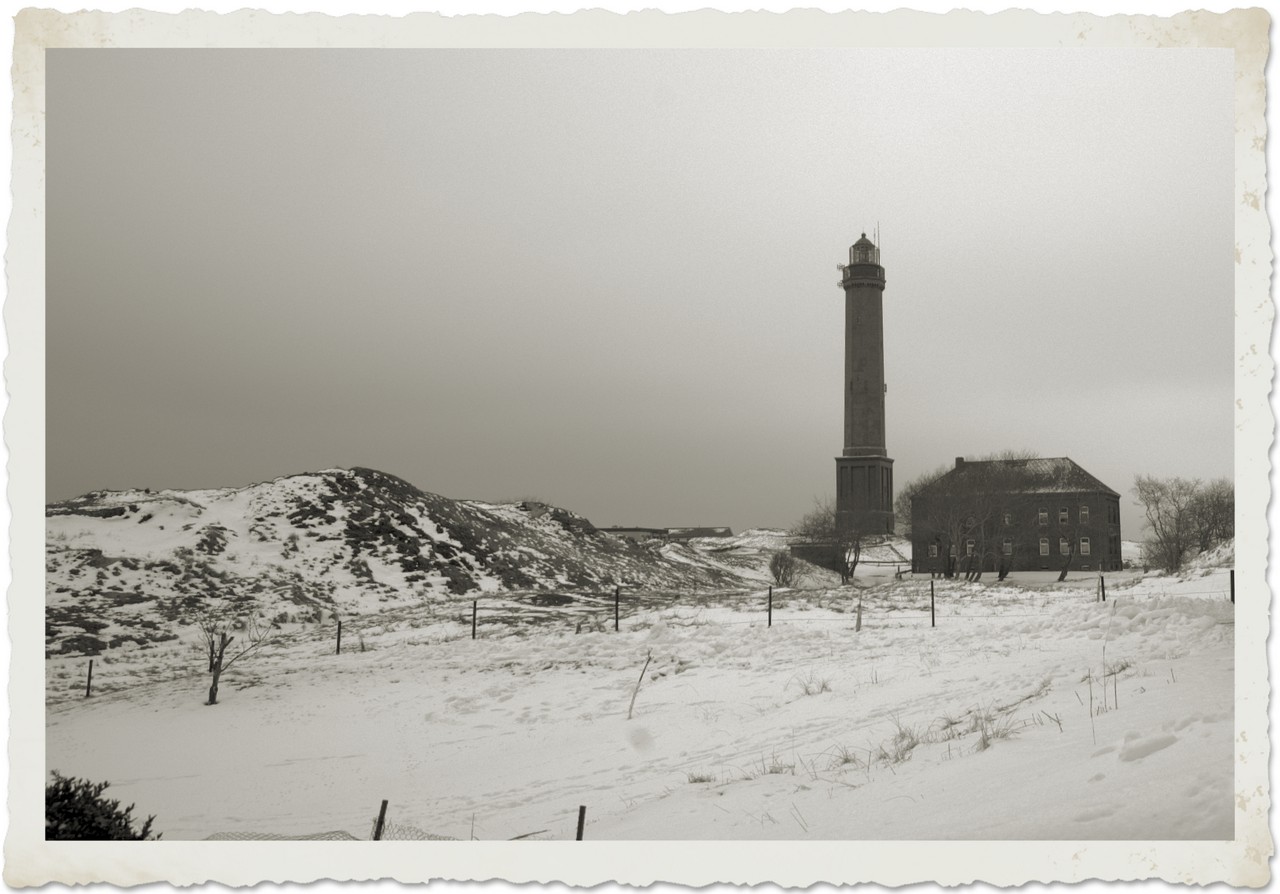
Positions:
{"x": 968, "y": 547}
{"x": 1084, "y": 546}
{"x": 1044, "y": 546}
{"x": 1044, "y": 515}
{"x": 933, "y": 550}
{"x": 1064, "y": 546}
{"x": 1084, "y": 515}
{"x": 1064, "y": 515}
{"x": 1008, "y": 546}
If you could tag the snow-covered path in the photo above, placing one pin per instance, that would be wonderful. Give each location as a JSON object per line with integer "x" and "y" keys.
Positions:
{"x": 979, "y": 728}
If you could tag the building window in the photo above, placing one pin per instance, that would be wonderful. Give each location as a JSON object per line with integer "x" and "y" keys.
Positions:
{"x": 933, "y": 550}
{"x": 952, "y": 551}
{"x": 1008, "y": 547}
{"x": 1044, "y": 546}
{"x": 1008, "y": 519}
{"x": 1084, "y": 515}
{"x": 1064, "y": 515}
{"x": 1064, "y": 546}
{"x": 1084, "y": 546}
{"x": 1044, "y": 516}
{"x": 968, "y": 547}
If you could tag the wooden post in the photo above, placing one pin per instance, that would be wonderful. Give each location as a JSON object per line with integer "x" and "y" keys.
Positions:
{"x": 1233, "y": 590}
{"x": 617, "y": 603}
{"x": 1104, "y": 587}
{"x": 382, "y": 819}
{"x": 339, "y": 651}
{"x": 88, "y": 686}
{"x": 771, "y": 606}
{"x": 474, "y": 610}
{"x": 582, "y": 819}
{"x": 933, "y": 618}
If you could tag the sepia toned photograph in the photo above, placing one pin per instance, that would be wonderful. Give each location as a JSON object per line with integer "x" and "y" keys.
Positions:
{"x": 615, "y": 444}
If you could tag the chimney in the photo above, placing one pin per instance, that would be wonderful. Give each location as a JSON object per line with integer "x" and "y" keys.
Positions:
{"x": 959, "y": 461}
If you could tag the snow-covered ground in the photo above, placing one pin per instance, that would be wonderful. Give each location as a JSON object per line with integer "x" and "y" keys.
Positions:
{"x": 1031, "y": 711}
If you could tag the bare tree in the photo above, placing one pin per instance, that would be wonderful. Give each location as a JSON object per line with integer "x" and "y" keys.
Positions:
{"x": 783, "y": 568}
{"x": 1213, "y": 513}
{"x": 1184, "y": 516}
{"x": 907, "y": 493}
{"x": 216, "y": 630}
{"x": 1069, "y": 533}
{"x": 962, "y": 513}
{"x": 822, "y": 526}
{"x": 1168, "y": 505}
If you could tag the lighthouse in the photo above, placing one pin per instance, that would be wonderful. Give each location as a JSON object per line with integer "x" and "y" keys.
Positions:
{"x": 864, "y": 472}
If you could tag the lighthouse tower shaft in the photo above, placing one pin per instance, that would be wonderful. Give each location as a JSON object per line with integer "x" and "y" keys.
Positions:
{"x": 864, "y": 472}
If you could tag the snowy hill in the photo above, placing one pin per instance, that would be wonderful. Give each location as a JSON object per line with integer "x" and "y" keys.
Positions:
{"x": 133, "y": 567}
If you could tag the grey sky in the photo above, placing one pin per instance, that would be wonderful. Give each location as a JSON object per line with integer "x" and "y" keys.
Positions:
{"x": 607, "y": 278}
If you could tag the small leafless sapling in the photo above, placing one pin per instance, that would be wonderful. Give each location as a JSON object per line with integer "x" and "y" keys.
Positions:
{"x": 216, "y": 631}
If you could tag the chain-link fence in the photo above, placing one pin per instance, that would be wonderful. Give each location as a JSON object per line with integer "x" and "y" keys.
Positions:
{"x": 404, "y": 832}
{"x": 270, "y": 836}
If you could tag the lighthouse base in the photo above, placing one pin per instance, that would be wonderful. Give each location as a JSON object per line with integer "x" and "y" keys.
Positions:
{"x": 864, "y": 494}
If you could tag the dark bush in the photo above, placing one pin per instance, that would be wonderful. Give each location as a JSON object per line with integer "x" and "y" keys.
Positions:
{"x": 74, "y": 810}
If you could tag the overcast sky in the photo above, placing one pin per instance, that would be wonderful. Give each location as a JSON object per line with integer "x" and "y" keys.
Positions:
{"x": 607, "y": 279}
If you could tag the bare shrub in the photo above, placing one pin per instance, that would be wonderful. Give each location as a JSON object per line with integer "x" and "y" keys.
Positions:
{"x": 991, "y": 726}
{"x": 843, "y": 757}
{"x": 783, "y": 567}
{"x": 811, "y": 684}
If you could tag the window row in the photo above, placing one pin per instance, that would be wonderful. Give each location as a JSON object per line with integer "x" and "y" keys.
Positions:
{"x": 1064, "y": 547}
{"x": 1064, "y": 516}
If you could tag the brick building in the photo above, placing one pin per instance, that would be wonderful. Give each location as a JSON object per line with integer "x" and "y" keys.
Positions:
{"x": 1016, "y": 515}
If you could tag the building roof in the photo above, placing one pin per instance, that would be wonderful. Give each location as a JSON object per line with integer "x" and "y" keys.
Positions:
{"x": 1058, "y": 474}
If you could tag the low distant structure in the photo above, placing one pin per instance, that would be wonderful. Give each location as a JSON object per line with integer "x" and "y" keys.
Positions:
{"x": 684, "y": 535}
{"x": 637, "y": 534}
{"x": 675, "y": 535}
{"x": 1015, "y": 515}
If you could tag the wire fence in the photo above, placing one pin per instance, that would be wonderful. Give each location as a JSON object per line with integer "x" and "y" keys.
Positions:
{"x": 913, "y": 602}
{"x": 895, "y": 604}
{"x": 403, "y": 832}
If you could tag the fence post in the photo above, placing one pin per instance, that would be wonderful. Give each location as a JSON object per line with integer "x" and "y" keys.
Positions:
{"x": 1233, "y": 595}
{"x": 1104, "y": 587}
{"x": 582, "y": 819}
{"x": 933, "y": 619}
{"x": 88, "y": 686}
{"x": 339, "y": 650}
{"x": 382, "y": 819}
{"x": 474, "y": 610}
{"x": 770, "y": 606}
{"x": 617, "y": 602}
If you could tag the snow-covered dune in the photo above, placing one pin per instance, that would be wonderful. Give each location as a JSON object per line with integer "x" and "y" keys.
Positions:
{"x": 131, "y": 569}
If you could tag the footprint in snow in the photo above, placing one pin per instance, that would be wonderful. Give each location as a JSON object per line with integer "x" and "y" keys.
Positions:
{"x": 1136, "y": 748}
{"x": 1092, "y": 814}
{"x": 640, "y": 738}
